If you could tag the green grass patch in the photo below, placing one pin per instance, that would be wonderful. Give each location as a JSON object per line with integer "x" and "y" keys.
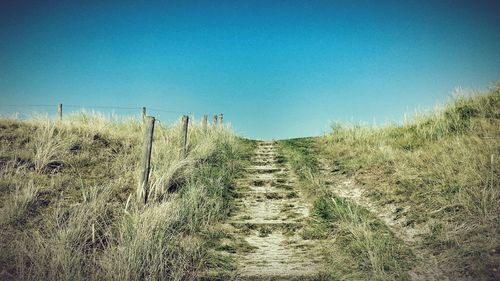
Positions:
{"x": 302, "y": 155}
{"x": 359, "y": 247}
{"x": 372, "y": 250}
{"x": 442, "y": 168}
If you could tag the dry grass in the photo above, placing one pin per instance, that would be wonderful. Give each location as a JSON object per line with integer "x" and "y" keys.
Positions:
{"x": 442, "y": 169}
{"x": 360, "y": 246}
{"x": 67, "y": 210}
{"x": 367, "y": 247}
{"x": 18, "y": 203}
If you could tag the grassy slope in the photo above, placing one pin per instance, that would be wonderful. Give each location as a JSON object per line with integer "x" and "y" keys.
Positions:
{"x": 68, "y": 204}
{"x": 67, "y": 210}
{"x": 361, "y": 247}
{"x": 441, "y": 171}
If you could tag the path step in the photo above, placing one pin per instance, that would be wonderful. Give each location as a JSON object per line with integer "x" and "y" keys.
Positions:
{"x": 265, "y": 153}
{"x": 267, "y": 195}
{"x": 269, "y": 216}
{"x": 265, "y": 183}
{"x": 256, "y": 224}
{"x": 264, "y": 169}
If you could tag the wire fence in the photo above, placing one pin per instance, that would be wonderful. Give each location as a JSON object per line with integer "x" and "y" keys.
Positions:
{"x": 26, "y": 111}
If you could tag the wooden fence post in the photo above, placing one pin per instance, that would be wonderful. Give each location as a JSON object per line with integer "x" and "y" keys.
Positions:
{"x": 143, "y": 114}
{"x": 185, "y": 122}
{"x": 492, "y": 160}
{"x": 143, "y": 190}
{"x": 59, "y": 111}
{"x": 214, "y": 121}
{"x": 221, "y": 119}
{"x": 205, "y": 123}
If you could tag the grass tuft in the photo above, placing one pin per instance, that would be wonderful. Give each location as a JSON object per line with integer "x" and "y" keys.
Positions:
{"x": 442, "y": 169}
{"x": 67, "y": 207}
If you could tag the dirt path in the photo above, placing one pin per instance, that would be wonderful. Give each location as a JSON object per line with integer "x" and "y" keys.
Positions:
{"x": 390, "y": 215}
{"x": 271, "y": 213}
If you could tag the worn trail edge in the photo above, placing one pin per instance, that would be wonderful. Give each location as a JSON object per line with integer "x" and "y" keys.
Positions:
{"x": 271, "y": 213}
{"x": 428, "y": 270}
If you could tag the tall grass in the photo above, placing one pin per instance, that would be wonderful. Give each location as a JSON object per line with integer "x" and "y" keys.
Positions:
{"x": 46, "y": 144}
{"x": 17, "y": 204}
{"x": 440, "y": 166}
{"x": 88, "y": 226}
{"x": 66, "y": 247}
{"x": 358, "y": 246}
{"x": 366, "y": 249}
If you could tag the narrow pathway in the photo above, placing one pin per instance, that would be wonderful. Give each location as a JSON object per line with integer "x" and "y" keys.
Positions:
{"x": 270, "y": 215}
{"x": 390, "y": 215}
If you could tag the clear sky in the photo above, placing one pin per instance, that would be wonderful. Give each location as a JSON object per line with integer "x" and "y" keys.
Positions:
{"x": 276, "y": 69}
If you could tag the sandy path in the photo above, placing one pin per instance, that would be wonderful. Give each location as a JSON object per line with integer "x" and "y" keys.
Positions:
{"x": 429, "y": 269}
{"x": 272, "y": 212}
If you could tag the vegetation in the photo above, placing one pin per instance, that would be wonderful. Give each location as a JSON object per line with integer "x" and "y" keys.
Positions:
{"x": 414, "y": 201}
{"x": 360, "y": 246}
{"x": 442, "y": 169}
{"x": 438, "y": 172}
{"x": 68, "y": 204}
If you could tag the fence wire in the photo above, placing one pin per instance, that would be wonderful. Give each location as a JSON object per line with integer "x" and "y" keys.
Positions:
{"x": 86, "y": 107}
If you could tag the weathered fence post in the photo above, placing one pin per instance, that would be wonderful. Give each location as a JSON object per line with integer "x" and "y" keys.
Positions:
{"x": 221, "y": 119}
{"x": 185, "y": 121}
{"x": 143, "y": 190}
{"x": 492, "y": 160}
{"x": 214, "y": 121}
{"x": 59, "y": 111}
{"x": 143, "y": 113}
{"x": 205, "y": 123}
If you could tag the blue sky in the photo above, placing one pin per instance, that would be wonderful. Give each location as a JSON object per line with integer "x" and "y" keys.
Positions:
{"x": 276, "y": 69}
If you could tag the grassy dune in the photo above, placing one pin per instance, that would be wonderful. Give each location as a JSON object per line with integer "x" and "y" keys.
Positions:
{"x": 417, "y": 201}
{"x": 443, "y": 170}
{"x": 440, "y": 172}
{"x": 68, "y": 204}
{"x": 361, "y": 246}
